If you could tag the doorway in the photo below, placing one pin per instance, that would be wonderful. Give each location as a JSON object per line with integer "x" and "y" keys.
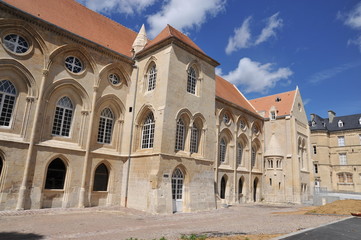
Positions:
{"x": 177, "y": 190}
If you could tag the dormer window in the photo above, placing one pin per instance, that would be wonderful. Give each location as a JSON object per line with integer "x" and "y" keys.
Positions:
{"x": 278, "y": 99}
{"x": 359, "y": 120}
{"x": 273, "y": 115}
{"x": 340, "y": 123}
{"x": 313, "y": 123}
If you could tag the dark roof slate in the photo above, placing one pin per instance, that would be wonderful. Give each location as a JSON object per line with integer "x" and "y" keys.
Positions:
{"x": 349, "y": 122}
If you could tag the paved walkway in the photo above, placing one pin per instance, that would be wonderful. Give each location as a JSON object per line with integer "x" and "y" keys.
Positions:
{"x": 347, "y": 229}
{"x": 121, "y": 223}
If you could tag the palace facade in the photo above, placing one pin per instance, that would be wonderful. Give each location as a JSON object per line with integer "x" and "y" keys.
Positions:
{"x": 101, "y": 115}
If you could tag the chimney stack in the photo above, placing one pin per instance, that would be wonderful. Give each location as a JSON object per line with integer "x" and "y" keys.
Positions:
{"x": 331, "y": 115}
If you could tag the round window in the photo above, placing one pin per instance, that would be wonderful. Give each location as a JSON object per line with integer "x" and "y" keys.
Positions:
{"x": 16, "y": 43}
{"x": 73, "y": 64}
{"x": 114, "y": 79}
{"x": 226, "y": 118}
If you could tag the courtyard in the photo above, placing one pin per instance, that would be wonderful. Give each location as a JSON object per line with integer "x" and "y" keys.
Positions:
{"x": 122, "y": 223}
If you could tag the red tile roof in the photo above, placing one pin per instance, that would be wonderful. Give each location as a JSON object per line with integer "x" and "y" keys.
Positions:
{"x": 229, "y": 92}
{"x": 283, "y": 107}
{"x": 169, "y": 32}
{"x": 77, "y": 19}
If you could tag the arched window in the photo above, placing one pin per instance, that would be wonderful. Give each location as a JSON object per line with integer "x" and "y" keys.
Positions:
{"x": 152, "y": 77}
{"x": 105, "y": 126}
{"x": 148, "y": 131}
{"x": 55, "y": 176}
{"x": 223, "y": 187}
{"x": 240, "y": 186}
{"x": 253, "y": 156}
{"x": 7, "y": 101}
{"x": 101, "y": 177}
{"x": 63, "y": 117}
{"x": 192, "y": 81}
{"x": 239, "y": 153}
{"x": 180, "y": 133}
{"x": 222, "y": 150}
{"x": 194, "y": 139}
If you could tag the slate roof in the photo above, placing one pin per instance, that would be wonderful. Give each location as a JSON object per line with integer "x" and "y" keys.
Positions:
{"x": 350, "y": 122}
{"x": 230, "y": 93}
{"x": 283, "y": 106}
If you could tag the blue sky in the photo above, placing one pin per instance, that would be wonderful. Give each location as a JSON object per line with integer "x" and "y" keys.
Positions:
{"x": 265, "y": 46}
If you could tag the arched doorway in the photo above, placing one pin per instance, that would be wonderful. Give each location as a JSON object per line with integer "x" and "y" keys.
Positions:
{"x": 177, "y": 190}
{"x": 223, "y": 187}
{"x": 255, "y": 183}
{"x": 240, "y": 188}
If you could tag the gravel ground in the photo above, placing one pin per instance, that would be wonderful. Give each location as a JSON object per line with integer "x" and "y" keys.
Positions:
{"x": 121, "y": 223}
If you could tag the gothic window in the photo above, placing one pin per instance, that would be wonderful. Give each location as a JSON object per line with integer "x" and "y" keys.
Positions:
{"x": 192, "y": 81}
{"x": 152, "y": 78}
{"x": 55, "y": 176}
{"x": 253, "y": 156}
{"x": 73, "y": 64}
{"x": 7, "y": 102}
{"x": 345, "y": 177}
{"x": 114, "y": 79}
{"x": 180, "y": 135}
{"x": 194, "y": 139}
{"x": 240, "y": 186}
{"x": 63, "y": 117}
{"x": 148, "y": 131}
{"x": 101, "y": 177}
{"x": 16, "y": 43}
{"x": 222, "y": 150}
{"x": 105, "y": 126}
{"x": 239, "y": 153}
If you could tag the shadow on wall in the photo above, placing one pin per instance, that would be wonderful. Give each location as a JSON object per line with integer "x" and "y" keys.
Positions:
{"x": 19, "y": 236}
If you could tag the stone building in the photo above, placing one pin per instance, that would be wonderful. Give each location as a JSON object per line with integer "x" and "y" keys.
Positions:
{"x": 287, "y": 164}
{"x": 336, "y": 152}
{"x": 103, "y": 115}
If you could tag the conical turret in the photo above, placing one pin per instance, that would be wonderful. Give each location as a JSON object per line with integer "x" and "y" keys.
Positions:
{"x": 141, "y": 40}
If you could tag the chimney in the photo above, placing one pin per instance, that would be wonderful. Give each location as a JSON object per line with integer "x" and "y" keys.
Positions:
{"x": 331, "y": 115}
{"x": 312, "y": 116}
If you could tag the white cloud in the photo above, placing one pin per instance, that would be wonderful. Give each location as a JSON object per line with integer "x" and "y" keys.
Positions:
{"x": 273, "y": 23}
{"x": 257, "y": 77}
{"x": 184, "y": 15}
{"x": 353, "y": 20}
{"x": 117, "y": 6}
{"x": 243, "y": 37}
{"x": 331, "y": 72}
{"x": 306, "y": 101}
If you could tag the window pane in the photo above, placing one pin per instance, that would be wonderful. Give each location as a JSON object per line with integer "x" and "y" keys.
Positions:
{"x": 63, "y": 117}
{"x": 192, "y": 81}
{"x": 179, "y": 142}
{"x": 152, "y": 77}
{"x": 148, "y": 132}
{"x": 55, "y": 176}
{"x": 101, "y": 178}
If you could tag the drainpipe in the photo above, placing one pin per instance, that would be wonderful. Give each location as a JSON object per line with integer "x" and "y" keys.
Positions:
{"x": 87, "y": 150}
{"x": 131, "y": 138}
{"x": 23, "y": 188}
